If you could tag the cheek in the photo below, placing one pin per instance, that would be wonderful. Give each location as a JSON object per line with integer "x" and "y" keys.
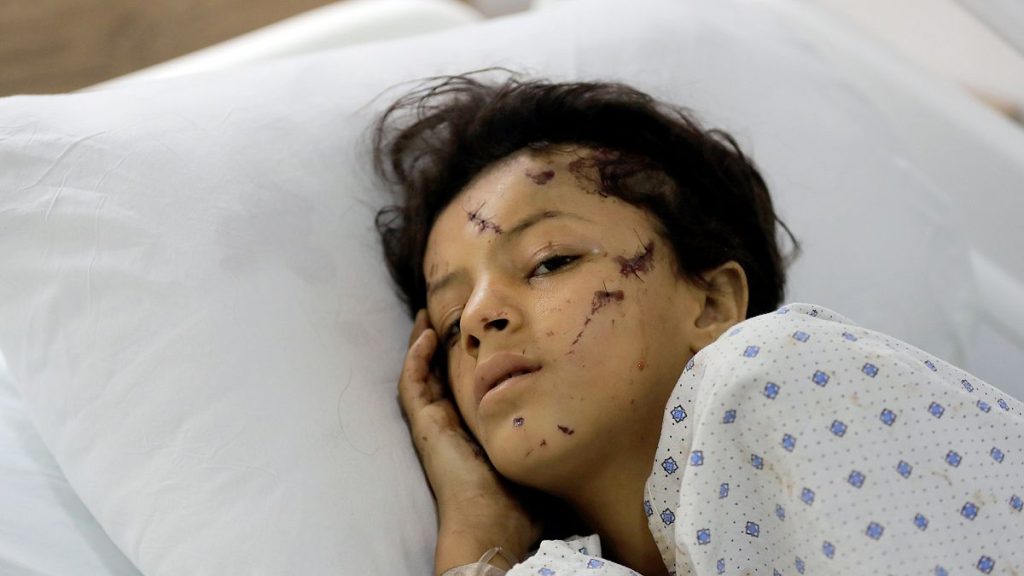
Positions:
{"x": 606, "y": 331}
{"x": 603, "y": 313}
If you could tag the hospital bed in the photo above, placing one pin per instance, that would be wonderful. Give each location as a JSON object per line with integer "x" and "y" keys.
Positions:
{"x": 954, "y": 288}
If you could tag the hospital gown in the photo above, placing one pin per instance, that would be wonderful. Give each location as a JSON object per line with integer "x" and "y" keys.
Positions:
{"x": 801, "y": 443}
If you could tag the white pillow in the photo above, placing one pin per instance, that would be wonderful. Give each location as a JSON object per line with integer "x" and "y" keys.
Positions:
{"x": 193, "y": 301}
{"x": 39, "y": 511}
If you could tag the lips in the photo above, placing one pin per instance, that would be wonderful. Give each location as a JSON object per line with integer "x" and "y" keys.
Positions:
{"x": 500, "y": 367}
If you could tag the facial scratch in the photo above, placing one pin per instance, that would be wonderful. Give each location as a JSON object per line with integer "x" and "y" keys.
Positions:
{"x": 566, "y": 430}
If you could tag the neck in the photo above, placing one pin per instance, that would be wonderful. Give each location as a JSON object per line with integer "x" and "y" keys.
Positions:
{"x": 611, "y": 504}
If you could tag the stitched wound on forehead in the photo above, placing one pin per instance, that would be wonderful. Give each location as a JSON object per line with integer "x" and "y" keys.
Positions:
{"x": 482, "y": 224}
{"x": 582, "y": 170}
{"x": 542, "y": 177}
{"x": 587, "y": 172}
{"x": 642, "y": 262}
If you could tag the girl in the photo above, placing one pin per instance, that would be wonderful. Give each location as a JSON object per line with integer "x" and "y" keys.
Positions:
{"x": 596, "y": 281}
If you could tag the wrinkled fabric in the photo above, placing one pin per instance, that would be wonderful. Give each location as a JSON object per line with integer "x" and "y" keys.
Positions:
{"x": 801, "y": 443}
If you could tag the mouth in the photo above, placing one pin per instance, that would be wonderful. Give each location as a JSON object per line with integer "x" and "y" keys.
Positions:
{"x": 509, "y": 380}
{"x": 500, "y": 371}
{"x": 503, "y": 379}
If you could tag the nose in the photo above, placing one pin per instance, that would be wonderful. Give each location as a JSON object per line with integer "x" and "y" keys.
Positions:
{"x": 489, "y": 313}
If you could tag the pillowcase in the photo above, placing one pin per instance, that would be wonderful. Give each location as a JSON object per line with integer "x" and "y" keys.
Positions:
{"x": 193, "y": 301}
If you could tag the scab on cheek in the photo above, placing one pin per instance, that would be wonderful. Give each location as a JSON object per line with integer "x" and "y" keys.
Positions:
{"x": 517, "y": 422}
{"x": 566, "y": 430}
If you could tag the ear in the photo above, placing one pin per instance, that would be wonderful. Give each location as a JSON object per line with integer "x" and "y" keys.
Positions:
{"x": 723, "y": 305}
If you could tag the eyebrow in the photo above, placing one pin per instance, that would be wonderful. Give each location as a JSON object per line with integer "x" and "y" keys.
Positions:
{"x": 507, "y": 237}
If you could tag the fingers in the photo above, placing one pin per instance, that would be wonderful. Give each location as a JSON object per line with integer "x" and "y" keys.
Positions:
{"x": 415, "y": 388}
{"x": 436, "y": 386}
{"x": 419, "y": 386}
{"x": 421, "y": 323}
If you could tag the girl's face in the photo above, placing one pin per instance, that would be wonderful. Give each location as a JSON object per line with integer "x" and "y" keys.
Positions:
{"x": 533, "y": 274}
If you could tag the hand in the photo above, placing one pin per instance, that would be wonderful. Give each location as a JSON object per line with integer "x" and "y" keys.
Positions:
{"x": 477, "y": 509}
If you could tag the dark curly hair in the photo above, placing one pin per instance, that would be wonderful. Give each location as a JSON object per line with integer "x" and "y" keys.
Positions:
{"x": 711, "y": 201}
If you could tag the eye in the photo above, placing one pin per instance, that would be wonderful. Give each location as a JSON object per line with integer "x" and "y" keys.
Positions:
{"x": 451, "y": 334}
{"x": 553, "y": 264}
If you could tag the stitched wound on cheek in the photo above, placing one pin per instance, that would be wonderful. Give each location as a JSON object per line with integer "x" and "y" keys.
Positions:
{"x": 601, "y": 298}
{"x": 642, "y": 262}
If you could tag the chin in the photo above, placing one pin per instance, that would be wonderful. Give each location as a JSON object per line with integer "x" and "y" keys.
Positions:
{"x": 532, "y": 477}
{"x": 540, "y": 470}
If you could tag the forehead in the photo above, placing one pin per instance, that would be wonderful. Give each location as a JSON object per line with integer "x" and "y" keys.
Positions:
{"x": 519, "y": 185}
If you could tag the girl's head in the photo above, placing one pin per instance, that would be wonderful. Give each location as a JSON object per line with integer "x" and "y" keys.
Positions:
{"x": 581, "y": 235}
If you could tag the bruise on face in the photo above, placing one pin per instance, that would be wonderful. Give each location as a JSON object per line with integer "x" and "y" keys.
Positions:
{"x": 482, "y": 224}
{"x": 566, "y": 430}
{"x": 601, "y": 299}
{"x": 641, "y": 263}
{"x": 542, "y": 177}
